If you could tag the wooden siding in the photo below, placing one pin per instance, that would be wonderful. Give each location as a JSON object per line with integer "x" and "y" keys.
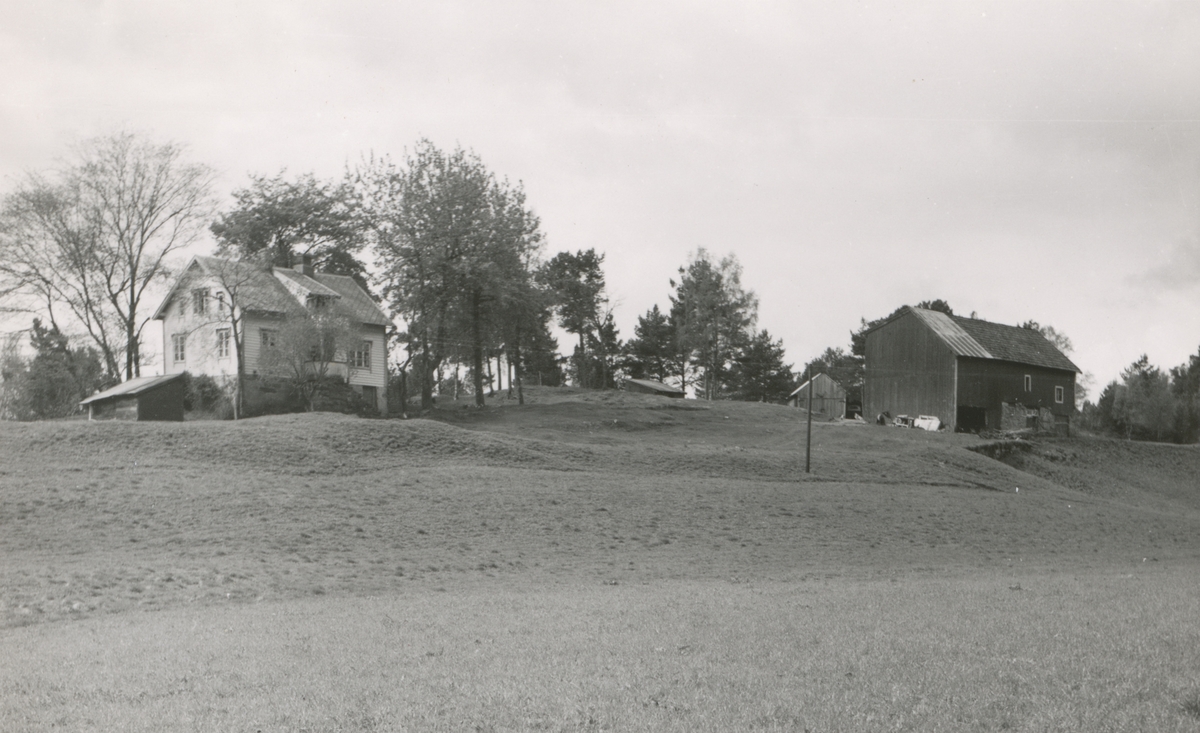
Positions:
{"x": 164, "y": 402}
{"x": 124, "y": 407}
{"x": 828, "y": 396}
{"x": 987, "y": 384}
{"x": 376, "y": 376}
{"x": 909, "y": 370}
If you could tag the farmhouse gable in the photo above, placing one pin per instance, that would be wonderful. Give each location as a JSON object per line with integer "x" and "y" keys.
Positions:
{"x": 215, "y": 301}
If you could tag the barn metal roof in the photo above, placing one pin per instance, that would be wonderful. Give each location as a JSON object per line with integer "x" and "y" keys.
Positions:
{"x": 986, "y": 340}
{"x": 1013, "y": 343}
{"x": 952, "y": 333}
{"x": 134, "y": 386}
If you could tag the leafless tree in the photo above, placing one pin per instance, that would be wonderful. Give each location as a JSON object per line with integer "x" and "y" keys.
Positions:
{"x": 306, "y": 349}
{"x": 237, "y": 280}
{"x": 86, "y": 242}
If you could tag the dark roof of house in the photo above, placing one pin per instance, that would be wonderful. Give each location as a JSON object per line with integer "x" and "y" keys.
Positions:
{"x": 655, "y": 385}
{"x": 282, "y": 290}
{"x": 134, "y": 386}
{"x": 986, "y": 340}
{"x": 306, "y": 283}
{"x": 355, "y": 302}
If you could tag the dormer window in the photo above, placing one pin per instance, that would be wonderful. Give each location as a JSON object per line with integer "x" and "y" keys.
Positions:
{"x": 317, "y": 302}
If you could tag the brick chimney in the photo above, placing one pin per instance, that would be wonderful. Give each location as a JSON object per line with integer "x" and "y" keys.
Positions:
{"x": 305, "y": 266}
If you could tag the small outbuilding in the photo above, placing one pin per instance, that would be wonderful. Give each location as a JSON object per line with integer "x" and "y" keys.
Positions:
{"x": 828, "y": 397}
{"x": 651, "y": 386}
{"x": 141, "y": 398}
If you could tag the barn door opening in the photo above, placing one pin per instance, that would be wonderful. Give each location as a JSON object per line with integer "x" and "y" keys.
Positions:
{"x": 971, "y": 419}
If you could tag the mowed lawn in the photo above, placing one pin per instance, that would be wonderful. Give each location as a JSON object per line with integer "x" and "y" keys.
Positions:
{"x": 591, "y": 562}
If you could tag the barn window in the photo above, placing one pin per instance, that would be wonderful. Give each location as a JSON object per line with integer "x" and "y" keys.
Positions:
{"x": 1058, "y": 395}
{"x": 222, "y": 343}
{"x": 1028, "y": 383}
{"x": 362, "y": 356}
{"x": 268, "y": 338}
{"x": 178, "y": 346}
{"x": 199, "y": 301}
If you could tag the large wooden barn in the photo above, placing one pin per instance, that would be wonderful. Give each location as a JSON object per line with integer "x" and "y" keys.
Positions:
{"x": 972, "y": 374}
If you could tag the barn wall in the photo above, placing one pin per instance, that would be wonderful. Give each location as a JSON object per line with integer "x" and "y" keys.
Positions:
{"x": 990, "y": 384}
{"x": 909, "y": 371}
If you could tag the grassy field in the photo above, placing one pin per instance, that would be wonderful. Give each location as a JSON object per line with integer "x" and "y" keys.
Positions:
{"x": 592, "y": 562}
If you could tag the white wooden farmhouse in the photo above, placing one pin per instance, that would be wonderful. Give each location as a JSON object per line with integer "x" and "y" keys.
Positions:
{"x": 198, "y": 328}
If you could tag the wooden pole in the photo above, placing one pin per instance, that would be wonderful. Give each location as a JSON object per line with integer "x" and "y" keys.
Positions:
{"x": 808, "y": 447}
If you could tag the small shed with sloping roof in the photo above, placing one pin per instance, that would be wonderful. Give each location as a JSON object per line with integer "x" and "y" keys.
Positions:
{"x": 651, "y": 386}
{"x": 828, "y": 397}
{"x": 141, "y": 398}
{"x": 971, "y": 374}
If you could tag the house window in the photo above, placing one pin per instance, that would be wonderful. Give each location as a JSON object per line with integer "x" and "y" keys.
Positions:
{"x": 199, "y": 301}
{"x": 268, "y": 338}
{"x": 1058, "y": 395}
{"x": 178, "y": 346}
{"x": 222, "y": 343}
{"x": 221, "y": 303}
{"x": 317, "y": 302}
{"x": 362, "y": 356}
{"x": 1028, "y": 383}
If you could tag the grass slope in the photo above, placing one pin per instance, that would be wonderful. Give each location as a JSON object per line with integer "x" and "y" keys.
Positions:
{"x": 645, "y": 507}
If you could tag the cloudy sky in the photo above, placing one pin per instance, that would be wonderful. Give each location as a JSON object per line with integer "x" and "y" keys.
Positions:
{"x": 1021, "y": 160}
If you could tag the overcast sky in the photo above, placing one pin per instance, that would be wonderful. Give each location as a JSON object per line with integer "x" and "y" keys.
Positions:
{"x": 1022, "y": 160}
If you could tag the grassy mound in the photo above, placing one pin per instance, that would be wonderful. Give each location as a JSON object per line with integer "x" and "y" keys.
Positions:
{"x": 591, "y": 561}
{"x": 593, "y": 487}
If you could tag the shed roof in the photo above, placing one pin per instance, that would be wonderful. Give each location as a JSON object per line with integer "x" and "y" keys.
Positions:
{"x": 656, "y": 386}
{"x": 980, "y": 339}
{"x": 821, "y": 381}
{"x": 134, "y": 386}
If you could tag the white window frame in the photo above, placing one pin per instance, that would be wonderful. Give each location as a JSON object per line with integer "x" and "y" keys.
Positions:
{"x": 200, "y": 301}
{"x": 223, "y": 339}
{"x": 220, "y": 296}
{"x": 362, "y": 356}
{"x": 1028, "y": 382}
{"x": 179, "y": 347}
{"x": 1059, "y": 395}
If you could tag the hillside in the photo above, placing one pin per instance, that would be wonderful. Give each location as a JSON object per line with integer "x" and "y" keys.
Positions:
{"x": 592, "y": 488}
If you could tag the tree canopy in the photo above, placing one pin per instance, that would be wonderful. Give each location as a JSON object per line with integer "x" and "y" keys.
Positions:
{"x": 84, "y": 244}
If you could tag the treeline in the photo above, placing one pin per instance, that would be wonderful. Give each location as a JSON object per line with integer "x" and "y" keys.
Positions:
{"x": 707, "y": 338}
{"x": 454, "y": 251}
{"x": 1147, "y": 403}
